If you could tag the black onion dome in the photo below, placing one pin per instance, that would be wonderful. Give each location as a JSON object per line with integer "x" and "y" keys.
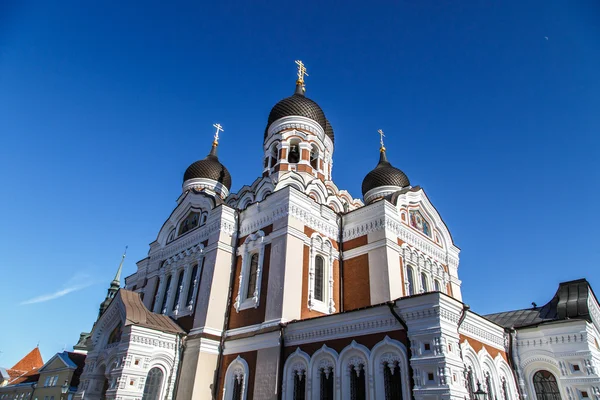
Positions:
{"x": 384, "y": 174}
{"x": 300, "y": 105}
{"x": 209, "y": 168}
{"x": 329, "y": 130}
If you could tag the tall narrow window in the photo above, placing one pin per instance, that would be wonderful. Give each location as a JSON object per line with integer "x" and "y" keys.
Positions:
{"x": 505, "y": 390}
{"x": 155, "y": 293}
{"x": 319, "y": 277}
{"x": 238, "y": 386}
{"x": 299, "y": 385}
{"x": 178, "y": 290}
{"x": 411, "y": 280}
{"x": 392, "y": 381}
{"x": 252, "y": 273}
{"x": 294, "y": 153}
{"x": 195, "y": 281}
{"x": 153, "y": 384}
{"x": 326, "y": 383}
{"x": 358, "y": 389}
{"x": 273, "y": 156}
{"x": 424, "y": 286}
{"x": 163, "y": 306}
{"x": 437, "y": 286}
{"x": 314, "y": 157}
{"x": 545, "y": 386}
{"x": 488, "y": 386}
{"x": 470, "y": 383}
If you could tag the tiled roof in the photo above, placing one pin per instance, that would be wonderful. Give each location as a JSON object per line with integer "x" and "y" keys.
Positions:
{"x": 32, "y": 360}
{"x": 23, "y": 377}
{"x": 570, "y": 301}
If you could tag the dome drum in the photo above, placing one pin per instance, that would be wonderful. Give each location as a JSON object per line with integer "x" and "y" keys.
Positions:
{"x": 199, "y": 184}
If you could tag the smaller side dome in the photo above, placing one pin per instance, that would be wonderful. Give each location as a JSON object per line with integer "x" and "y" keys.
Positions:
{"x": 383, "y": 175}
{"x": 203, "y": 172}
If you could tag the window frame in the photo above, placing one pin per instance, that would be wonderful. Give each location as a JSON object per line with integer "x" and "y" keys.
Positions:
{"x": 254, "y": 244}
{"x": 237, "y": 366}
{"x": 321, "y": 247}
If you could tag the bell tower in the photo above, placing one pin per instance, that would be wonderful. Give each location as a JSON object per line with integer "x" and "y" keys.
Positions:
{"x": 298, "y": 137}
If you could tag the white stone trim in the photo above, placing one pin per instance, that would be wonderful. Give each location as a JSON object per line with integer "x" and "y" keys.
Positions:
{"x": 296, "y": 363}
{"x": 206, "y": 184}
{"x": 254, "y": 244}
{"x": 389, "y": 350}
{"x": 237, "y": 368}
{"x": 321, "y": 246}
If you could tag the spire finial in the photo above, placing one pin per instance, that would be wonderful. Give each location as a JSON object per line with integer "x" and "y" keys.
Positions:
{"x": 117, "y": 279}
{"x": 301, "y": 72}
{"x": 381, "y": 136}
{"x": 219, "y": 129}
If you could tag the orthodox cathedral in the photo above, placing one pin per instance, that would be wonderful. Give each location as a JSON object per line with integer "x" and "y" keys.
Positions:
{"x": 293, "y": 289}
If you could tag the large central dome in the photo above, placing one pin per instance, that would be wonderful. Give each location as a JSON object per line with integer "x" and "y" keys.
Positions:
{"x": 299, "y": 105}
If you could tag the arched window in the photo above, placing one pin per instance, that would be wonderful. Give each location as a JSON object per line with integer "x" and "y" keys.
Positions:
{"x": 392, "y": 380}
{"x": 545, "y": 386}
{"x": 252, "y": 273}
{"x": 273, "y": 156}
{"x": 178, "y": 290}
{"x": 155, "y": 293}
{"x": 358, "y": 387}
{"x": 437, "y": 285}
{"x": 236, "y": 380}
{"x": 163, "y": 306}
{"x": 319, "y": 277}
{"x": 300, "y": 385}
{"x": 195, "y": 281}
{"x": 153, "y": 384}
{"x": 424, "y": 285}
{"x": 326, "y": 383}
{"x": 115, "y": 335}
{"x": 411, "y": 280}
{"x": 294, "y": 152}
{"x": 505, "y": 389}
{"x": 190, "y": 222}
{"x": 470, "y": 382}
{"x": 314, "y": 157}
{"x": 489, "y": 388}
{"x": 171, "y": 235}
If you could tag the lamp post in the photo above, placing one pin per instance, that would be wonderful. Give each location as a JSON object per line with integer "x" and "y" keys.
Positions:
{"x": 480, "y": 394}
{"x": 64, "y": 389}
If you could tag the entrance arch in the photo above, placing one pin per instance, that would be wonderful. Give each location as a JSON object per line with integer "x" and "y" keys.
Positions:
{"x": 154, "y": 381}
{"x": 545, "y": 386}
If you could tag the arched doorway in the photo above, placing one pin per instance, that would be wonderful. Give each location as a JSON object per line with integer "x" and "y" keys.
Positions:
{"x": 545, "y": 385}
{"x": 153, "y": 384}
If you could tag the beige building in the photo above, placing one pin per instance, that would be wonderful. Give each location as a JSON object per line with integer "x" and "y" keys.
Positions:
{"x": 59, "y": 377}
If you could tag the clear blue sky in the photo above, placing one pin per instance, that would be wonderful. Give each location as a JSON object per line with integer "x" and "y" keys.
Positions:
{"x": 492, "y": 107}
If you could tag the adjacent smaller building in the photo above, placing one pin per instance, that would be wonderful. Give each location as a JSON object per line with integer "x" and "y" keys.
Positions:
{"x": 31, "y": 379}
{"x": 60, "y": 374}
{"x": 18, "y": 382}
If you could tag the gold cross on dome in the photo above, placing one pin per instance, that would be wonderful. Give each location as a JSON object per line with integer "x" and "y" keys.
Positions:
{"x": 381, "y": 136}
{"x": 219, "y": 128}
{"x": 301, "y": 71}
